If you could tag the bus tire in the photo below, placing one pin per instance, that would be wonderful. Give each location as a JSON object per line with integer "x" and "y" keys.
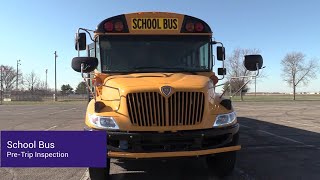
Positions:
{"x": 222, "y": 164}
{"x": 100, "y": 173}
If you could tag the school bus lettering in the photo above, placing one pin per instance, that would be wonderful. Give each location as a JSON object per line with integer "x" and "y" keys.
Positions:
{"x": 154, "y": 23}
{"x": 170, "y": 23}
{"x": 153, "y": 74}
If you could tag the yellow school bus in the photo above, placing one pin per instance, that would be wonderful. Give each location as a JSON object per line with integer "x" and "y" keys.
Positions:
{"x": 152, "y": 89}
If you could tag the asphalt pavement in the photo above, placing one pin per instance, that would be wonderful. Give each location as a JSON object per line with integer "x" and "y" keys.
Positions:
{"x": 280, "y": 140}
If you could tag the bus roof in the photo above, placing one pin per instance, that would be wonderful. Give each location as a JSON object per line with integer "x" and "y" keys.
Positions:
{"x": 153, "y": 23}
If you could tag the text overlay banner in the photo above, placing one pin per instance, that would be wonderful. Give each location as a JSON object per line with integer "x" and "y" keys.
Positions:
{"x": 53, "y": 148}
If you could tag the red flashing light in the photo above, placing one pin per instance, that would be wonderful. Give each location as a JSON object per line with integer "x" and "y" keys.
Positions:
{"x": 118, "y": 26}
{"x": 108, "y": 26}
{"x": 199, "y": 27}
{"x": 190, "y": 27}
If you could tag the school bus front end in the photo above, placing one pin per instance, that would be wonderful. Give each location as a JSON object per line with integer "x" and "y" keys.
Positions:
{"x": 153, "y": 119}
{"x": 154, "y": 90}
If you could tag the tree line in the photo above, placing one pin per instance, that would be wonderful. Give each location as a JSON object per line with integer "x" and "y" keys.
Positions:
{"x": 11, "y": 80}
{"x": 80, "y": 89}
{"x": 296, "y": 70}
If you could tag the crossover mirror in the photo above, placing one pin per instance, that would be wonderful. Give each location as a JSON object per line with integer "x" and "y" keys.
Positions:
{"x": 253, "y": 62}
{"x": 89, "y": 64}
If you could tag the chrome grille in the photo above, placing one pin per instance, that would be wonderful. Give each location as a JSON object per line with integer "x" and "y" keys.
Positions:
{"x": 152, "y": 109}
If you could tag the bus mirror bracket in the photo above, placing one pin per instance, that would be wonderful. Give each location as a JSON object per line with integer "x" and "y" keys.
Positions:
{"x": 220, "y": 56}
{"x": 252, "y": 63}
{"x": 85, "y": 79}
{"x": 81, "y": 39}
{"x": 85, "y": 65}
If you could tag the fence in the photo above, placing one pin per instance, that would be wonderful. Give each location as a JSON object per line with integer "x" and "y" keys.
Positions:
{"x": 40, "y": 96}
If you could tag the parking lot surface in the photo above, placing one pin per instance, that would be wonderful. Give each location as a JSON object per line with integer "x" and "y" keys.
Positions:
{"x": 280, "y": 140}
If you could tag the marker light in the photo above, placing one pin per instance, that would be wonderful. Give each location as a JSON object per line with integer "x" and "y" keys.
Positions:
{"x": 190, "y": 27}
{"x": 214, "y": 79}
{"x": 118, "y": 26}
{"x": 199, "y": 27}
{"x": 97, "y": 81}
{"x": 108, "y": 26}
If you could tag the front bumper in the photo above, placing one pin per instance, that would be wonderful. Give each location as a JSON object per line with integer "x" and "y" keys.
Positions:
{"x": 129, "y": 155}
{"x": 172, "y": 144}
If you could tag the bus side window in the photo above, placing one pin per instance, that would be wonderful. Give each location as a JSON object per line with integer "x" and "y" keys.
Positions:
{"x": 96, "y": 53}
{"x": 92, "y": 52}
{"x": 189, "y": 60}
{"x": 203, "y": 55}
{"x": 195, "y": 61}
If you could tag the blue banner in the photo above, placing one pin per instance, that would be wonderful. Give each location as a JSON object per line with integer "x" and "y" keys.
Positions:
{"x": 53, "y": 148}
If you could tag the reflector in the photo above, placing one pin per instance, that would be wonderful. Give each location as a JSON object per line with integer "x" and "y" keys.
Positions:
{"x": 97, "y": 81}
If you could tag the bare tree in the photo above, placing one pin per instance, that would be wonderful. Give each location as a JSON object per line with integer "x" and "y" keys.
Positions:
{"x": 296, "y": 70}
{"x": 235, "y": 68}
{"x": 31, "y": 81}
{"x": 41, "y": 85}
{"x": 9, "y": 77}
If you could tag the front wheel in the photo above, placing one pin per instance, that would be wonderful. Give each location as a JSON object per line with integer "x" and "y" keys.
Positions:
{"x": 100, "y": 173}
{"x": 222, "y": 164}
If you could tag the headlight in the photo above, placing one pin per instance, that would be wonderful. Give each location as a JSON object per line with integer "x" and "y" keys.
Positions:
{"x": 225, "y": 119}
{"x": 103, "y": 122}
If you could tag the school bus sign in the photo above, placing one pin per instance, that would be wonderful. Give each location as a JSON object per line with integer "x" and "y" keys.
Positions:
{"x": 148, "y": 23}
{"x": 154, "y": 24}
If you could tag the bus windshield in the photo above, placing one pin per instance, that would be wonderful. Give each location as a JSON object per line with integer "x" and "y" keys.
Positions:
{"x": 154, "y": 53}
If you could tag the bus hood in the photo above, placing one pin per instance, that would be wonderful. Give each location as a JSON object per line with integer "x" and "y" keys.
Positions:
{"x": 151, "y": 81}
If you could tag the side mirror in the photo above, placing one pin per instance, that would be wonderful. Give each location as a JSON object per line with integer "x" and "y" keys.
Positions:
{"x": 80, "y": 41}
{"x": 220, "y": 53}
{"x": 222, "y": 71}
{"x": 90, "y": 64}
{"x": 251, "y": 61}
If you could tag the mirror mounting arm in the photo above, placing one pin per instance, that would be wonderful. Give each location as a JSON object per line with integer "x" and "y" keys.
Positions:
{"x": 87, "y": 31}
{"x": 253, "y": 76}
{"x": 85, "y": 80}
{"x": 238, "y": 77}
{"x": 258, "y": 70}
{"x": 223, "y": 65}
{"x": 217, "y": 42}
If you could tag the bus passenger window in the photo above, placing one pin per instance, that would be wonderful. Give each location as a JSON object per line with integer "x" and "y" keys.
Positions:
{"x": 195, "y": 60}
{"x": 203, "y": 55}
{"x": 189, "y": 60}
